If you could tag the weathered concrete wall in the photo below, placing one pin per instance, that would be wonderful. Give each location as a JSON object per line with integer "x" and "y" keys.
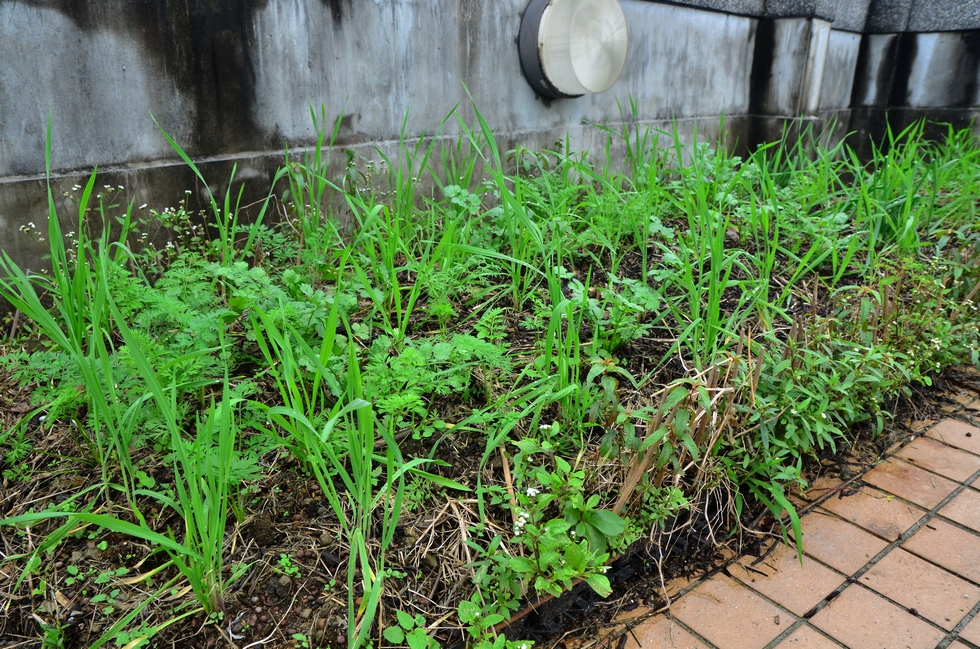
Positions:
{"x": 838, "y": 79}
{"x": 234, "y": 81}
{"x": 243, "y": 80}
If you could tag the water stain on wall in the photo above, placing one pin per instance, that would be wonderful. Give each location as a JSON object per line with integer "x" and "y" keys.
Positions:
{"x": 763, "y": 58}
{"x": 760, "y": 80}
{"x": 964, "y": 84}
{"x": 204, "y": 47}
{"x": 337, "y": 10}
{"x": 873, "y": 87}
{"x": 907, "y": 47}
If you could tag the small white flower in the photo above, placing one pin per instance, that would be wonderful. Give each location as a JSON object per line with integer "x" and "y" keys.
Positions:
{"x": 143, "y": 206}
{"x": 532, "y": 492}
{"x": 823, "y": 415}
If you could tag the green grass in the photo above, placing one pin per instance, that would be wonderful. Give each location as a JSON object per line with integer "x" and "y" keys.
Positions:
{"x": 446, "y": 363}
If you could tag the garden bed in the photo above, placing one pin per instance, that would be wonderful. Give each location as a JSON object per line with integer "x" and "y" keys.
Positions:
{"x": 290, "y": 433}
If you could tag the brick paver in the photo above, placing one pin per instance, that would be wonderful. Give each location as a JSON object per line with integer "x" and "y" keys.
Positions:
{"x": 729, "y": 615}
{"x": 953, "y": 548}
{"x": 911, "y": 483}
{"x": 875, "y": 511}
{"x": 781, "y": 578}
{"x": 662, "y": 633}
{"x": 860, "y": 619}
{"x": 958, "y": 434}
{"x": 856, "y": 587}
{"x": 964, "y": 509}
{"x": 837, "y": 543}
{"x": 940, "y": 458}
{"x": 819, "y": 488}
{"x": 806, "y": 638}
{"x": 932, "y": 592}
{"x": 972, "y": 631}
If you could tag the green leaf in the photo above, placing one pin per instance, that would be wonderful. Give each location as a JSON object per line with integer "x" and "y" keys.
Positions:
{"x": 394, "y": 635}
{"x": 600, "y": 584}
{"x": 468, "y": 611}
{"x": 596, "y": 539}
{"x": 607, "y": 522}
{"x": 439, "y": 480}
{"x": 676, "y": 396}
{"x": 492, "y": 620}
{"x": 417, "y": 639}
{"x": 517, "y": 564}
{"x": 653, "y": 438}
{"x": 111, "y": 524}
{"x": 406, "y": 621}
{"x": 557, "y": 526}
{"x": 528, "y": 446}
{"x": 576, "y": 557}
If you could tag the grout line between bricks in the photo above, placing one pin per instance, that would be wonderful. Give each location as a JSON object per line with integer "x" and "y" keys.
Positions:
{"x": 700, "y": 638}
{"x": 666, "y": 611}
{"x": 950, "y": 636}
{"x": 803, "y": 623}
{"x": 859, "y": 477}
{"x": 853, "y": 578}
{"x": 962, "y": 528}
{"x": 928, "y": 516}
{"x": 954, "y": 635}
{"x": 800, "y": 621}
{"x": 785, "y": 634}
{"x": 849, "y": 579}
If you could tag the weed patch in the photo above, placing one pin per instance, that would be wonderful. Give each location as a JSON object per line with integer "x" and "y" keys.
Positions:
{"x": 398, "y": 413}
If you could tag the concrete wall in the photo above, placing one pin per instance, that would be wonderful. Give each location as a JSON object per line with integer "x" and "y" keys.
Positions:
{"x": 234, "y": 81}
{"x": 225, "y": 82}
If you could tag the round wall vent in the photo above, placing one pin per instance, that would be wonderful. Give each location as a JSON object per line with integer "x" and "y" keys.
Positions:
{"x": 572, "y": 47}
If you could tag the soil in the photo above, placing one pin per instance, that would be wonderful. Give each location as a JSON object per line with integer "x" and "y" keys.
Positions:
{"x": 290, "y": 538}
